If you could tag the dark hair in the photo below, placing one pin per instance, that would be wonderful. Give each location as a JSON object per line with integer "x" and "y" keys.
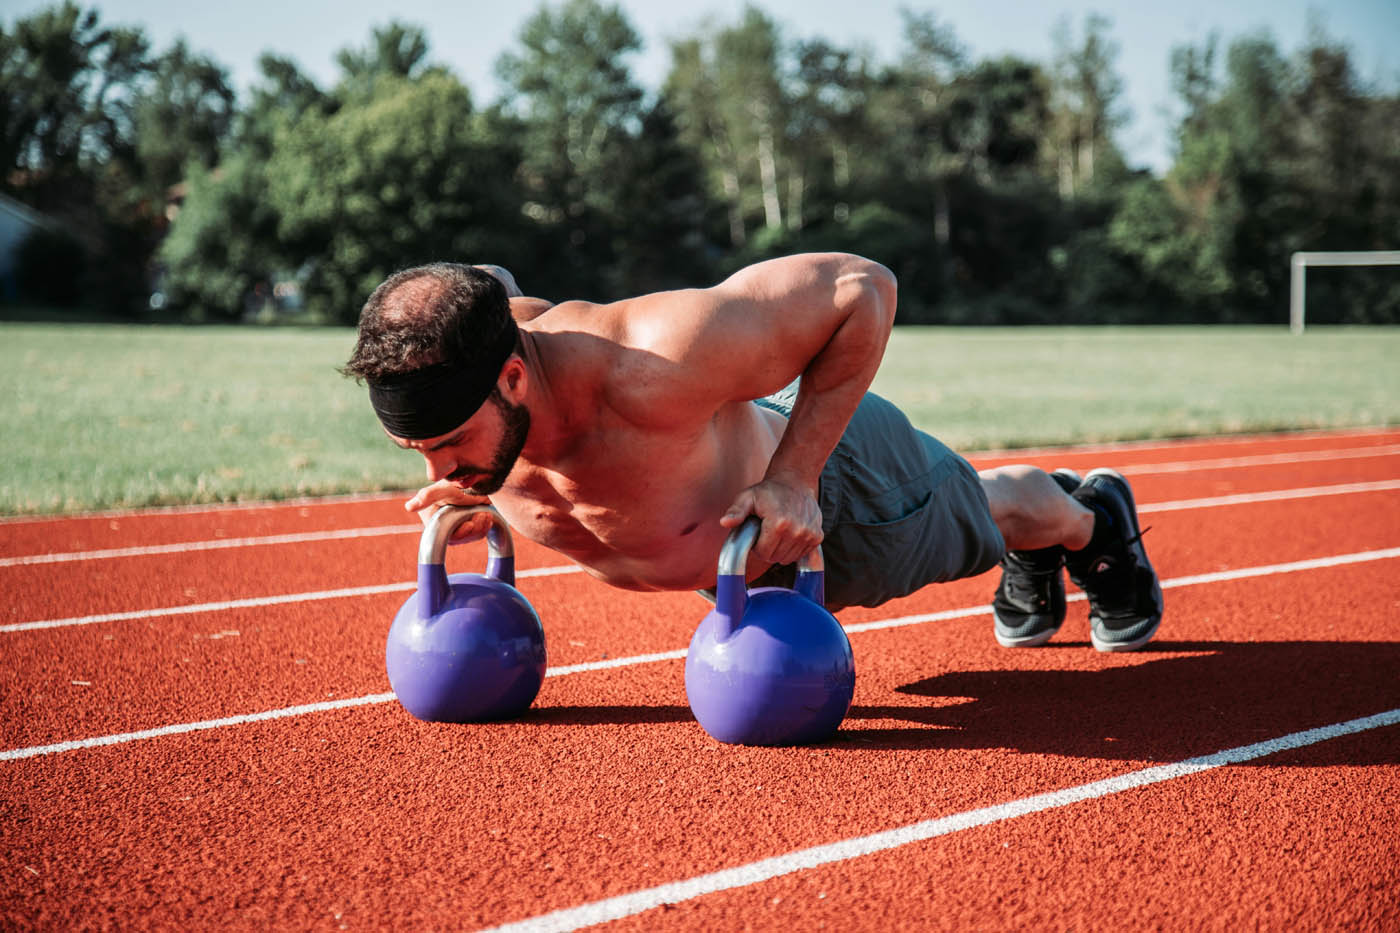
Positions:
{"x": 443, "y": 312}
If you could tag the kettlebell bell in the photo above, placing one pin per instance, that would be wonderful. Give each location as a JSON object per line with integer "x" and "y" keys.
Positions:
{"x": 769, "y": 665}
{"x": 465, "y": 648}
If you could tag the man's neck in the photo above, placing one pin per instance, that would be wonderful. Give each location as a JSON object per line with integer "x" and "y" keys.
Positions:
{"x": 553, "y": 419}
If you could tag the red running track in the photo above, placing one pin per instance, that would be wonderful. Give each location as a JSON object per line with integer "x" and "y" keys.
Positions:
{"x": 201, "y": 736}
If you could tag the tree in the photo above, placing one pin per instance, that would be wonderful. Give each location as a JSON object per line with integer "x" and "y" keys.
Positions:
{"x": 833, "y": 147}
{"x": 1084, "y": 93}
{"x": 94, "y": 130}
{"x": 661, "y": 239}
{"x": 183, "y": 116}
{"x": 407, "y": 175}
{"x": 997, "y": 118}
{"x": 48, "y": 68}
{"x": 394, "y": 51}
{"x": 752, "y": 103}
{"x": 578, "y": 112}
{"x": 728, "y": 87}
{"x": 913, "y": 104}
{"x": 225, "y": 241}
{"x": 283, "y": 97}
{"x": 1281, "y": 154}
{"x": 692, "y": 92}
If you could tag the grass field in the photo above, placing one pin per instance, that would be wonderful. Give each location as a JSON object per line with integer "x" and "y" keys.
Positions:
{"x": 99, "y": 416}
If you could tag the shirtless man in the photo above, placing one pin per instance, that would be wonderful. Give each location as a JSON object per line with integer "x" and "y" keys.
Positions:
{"x": 632, "y": 437}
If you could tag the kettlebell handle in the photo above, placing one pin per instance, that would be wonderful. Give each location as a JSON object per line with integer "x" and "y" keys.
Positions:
{"x": 500, "y": 551}
{"x": 734, "y": 555}
{"x": 432, "y": 549}
{"x": 733, "y": 567}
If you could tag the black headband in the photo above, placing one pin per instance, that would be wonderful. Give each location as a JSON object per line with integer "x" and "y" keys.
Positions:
{"x": 431, "y": 401}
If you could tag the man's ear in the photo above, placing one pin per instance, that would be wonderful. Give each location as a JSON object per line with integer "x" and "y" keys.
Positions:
{"x": 514, "y": 379}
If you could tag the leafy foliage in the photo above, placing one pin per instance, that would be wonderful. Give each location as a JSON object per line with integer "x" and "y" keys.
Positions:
{"x": 994, "y": 188}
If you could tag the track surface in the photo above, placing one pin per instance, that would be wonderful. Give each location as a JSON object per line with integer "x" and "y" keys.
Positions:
{"x": 197, "y": 733}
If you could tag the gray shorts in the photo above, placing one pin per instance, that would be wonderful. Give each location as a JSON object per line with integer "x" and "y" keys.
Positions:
{"x": 899, "y": 510}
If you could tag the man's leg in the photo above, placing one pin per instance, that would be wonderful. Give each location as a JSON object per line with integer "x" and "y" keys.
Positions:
{"x": 1055, "y": 520}
{"x": 1038, "y": 519}
{"x": 1034, "y": 510}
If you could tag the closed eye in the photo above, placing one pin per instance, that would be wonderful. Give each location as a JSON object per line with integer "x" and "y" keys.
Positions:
{"x": 440, "y": 445}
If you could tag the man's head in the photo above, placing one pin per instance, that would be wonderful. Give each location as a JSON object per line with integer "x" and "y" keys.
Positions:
{"x": 432, "y": 344}
{"x": 439, "y": 313}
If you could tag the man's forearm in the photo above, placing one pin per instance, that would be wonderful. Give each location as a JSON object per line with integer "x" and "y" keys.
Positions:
{"x": 836, "y": 379}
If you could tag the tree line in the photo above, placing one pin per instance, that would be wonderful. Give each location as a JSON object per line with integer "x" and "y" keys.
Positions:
{"x": 993, "y": 187}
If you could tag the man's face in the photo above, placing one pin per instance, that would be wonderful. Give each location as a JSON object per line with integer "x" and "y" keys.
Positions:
{"x": 480, "y": 454}
{"x": 515, "y": 427}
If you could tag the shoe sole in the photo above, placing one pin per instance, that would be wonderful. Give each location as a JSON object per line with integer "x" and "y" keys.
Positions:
{"x": 1025, "y": 641}
{"x": 1111, "y": 647}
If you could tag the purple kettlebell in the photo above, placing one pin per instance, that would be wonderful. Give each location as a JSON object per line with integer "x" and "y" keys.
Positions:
{"x": 465, "y": 648}
{"x": 769, "y": 666}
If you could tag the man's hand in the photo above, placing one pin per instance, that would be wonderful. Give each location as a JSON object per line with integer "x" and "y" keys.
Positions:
{"x": 430, "y": 498}
{"x": 792, "y": 519}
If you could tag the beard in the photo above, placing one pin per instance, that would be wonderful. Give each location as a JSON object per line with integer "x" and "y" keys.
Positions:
{"x": 517, "y": 428}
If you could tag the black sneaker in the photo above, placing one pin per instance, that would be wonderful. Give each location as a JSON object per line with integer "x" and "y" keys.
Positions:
{"x": 1125, "y": 599}
{"x": 1029, "y": 606}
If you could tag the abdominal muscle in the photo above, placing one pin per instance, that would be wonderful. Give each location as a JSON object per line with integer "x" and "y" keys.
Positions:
{"x": 657, "y": 529}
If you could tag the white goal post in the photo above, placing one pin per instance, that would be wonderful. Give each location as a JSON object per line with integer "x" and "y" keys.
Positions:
{"x": 1301, "y": 261}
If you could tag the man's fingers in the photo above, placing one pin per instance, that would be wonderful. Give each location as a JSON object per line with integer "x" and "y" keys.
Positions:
{"x": 784, "y": 540}
{"x": 742, "y": 508}
{"x": 473, "y": 529}
{"x": 789, "y": 550}
{"x": 427, "y": 500}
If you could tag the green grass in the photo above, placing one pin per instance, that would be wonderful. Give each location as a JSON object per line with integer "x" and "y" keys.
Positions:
{"x": 1009, "y": 387}
{"x": 100, "y": 416}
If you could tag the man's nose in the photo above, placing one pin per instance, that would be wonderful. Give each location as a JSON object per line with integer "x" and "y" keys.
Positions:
{"x": 440, "y": 465}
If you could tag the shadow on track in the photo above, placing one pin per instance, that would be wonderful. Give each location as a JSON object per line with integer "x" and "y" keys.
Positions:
{"x": 1226, "y": 694}
{"x": 603, "y": 715}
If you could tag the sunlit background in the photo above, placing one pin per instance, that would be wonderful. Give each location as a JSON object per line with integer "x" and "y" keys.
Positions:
{"x": 1013, "y": 164}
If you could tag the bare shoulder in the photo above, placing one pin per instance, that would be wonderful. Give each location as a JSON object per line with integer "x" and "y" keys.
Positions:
{"x": 626, "y": 354}
{"x": 678, "y": 357}
{"x": 527, "y": 309}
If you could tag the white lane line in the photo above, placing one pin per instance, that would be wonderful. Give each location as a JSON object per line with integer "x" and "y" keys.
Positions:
{"x": 1209, "y": 440}
{"x": 1180, "y": 466}
{"x": 184, "y": 727}
{"x": 305, "y": 709}
{"x": 254, "y": 602}
{"x": 250, "y": 603}
{"x": 1268, "y": 570}
{"x": 741, "y": 876}
{"x": 1242, "y": 573}
{"x": 676, "y": 654}
{"x": 1232, "y": 463}
{"x": 215, "y": 544}
{"x": 1276, "y": 495}
{"x": 1180, "y": 443}
{"x": 251, "y": 505}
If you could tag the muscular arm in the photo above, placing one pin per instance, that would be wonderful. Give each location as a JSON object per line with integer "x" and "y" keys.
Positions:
{"x": 856, "y": 327}
{"x": 825, "y": 317}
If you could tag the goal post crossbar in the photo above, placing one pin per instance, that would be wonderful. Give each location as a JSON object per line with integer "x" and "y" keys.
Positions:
{"x": 1300, "y": 262}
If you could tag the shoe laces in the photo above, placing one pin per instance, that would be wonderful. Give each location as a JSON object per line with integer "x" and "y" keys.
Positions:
{"x": 1115, "y": 574}
{"x": 1029, "y": 580}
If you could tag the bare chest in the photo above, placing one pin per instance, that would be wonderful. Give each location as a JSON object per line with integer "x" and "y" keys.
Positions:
{"x": 640, "y": 508}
